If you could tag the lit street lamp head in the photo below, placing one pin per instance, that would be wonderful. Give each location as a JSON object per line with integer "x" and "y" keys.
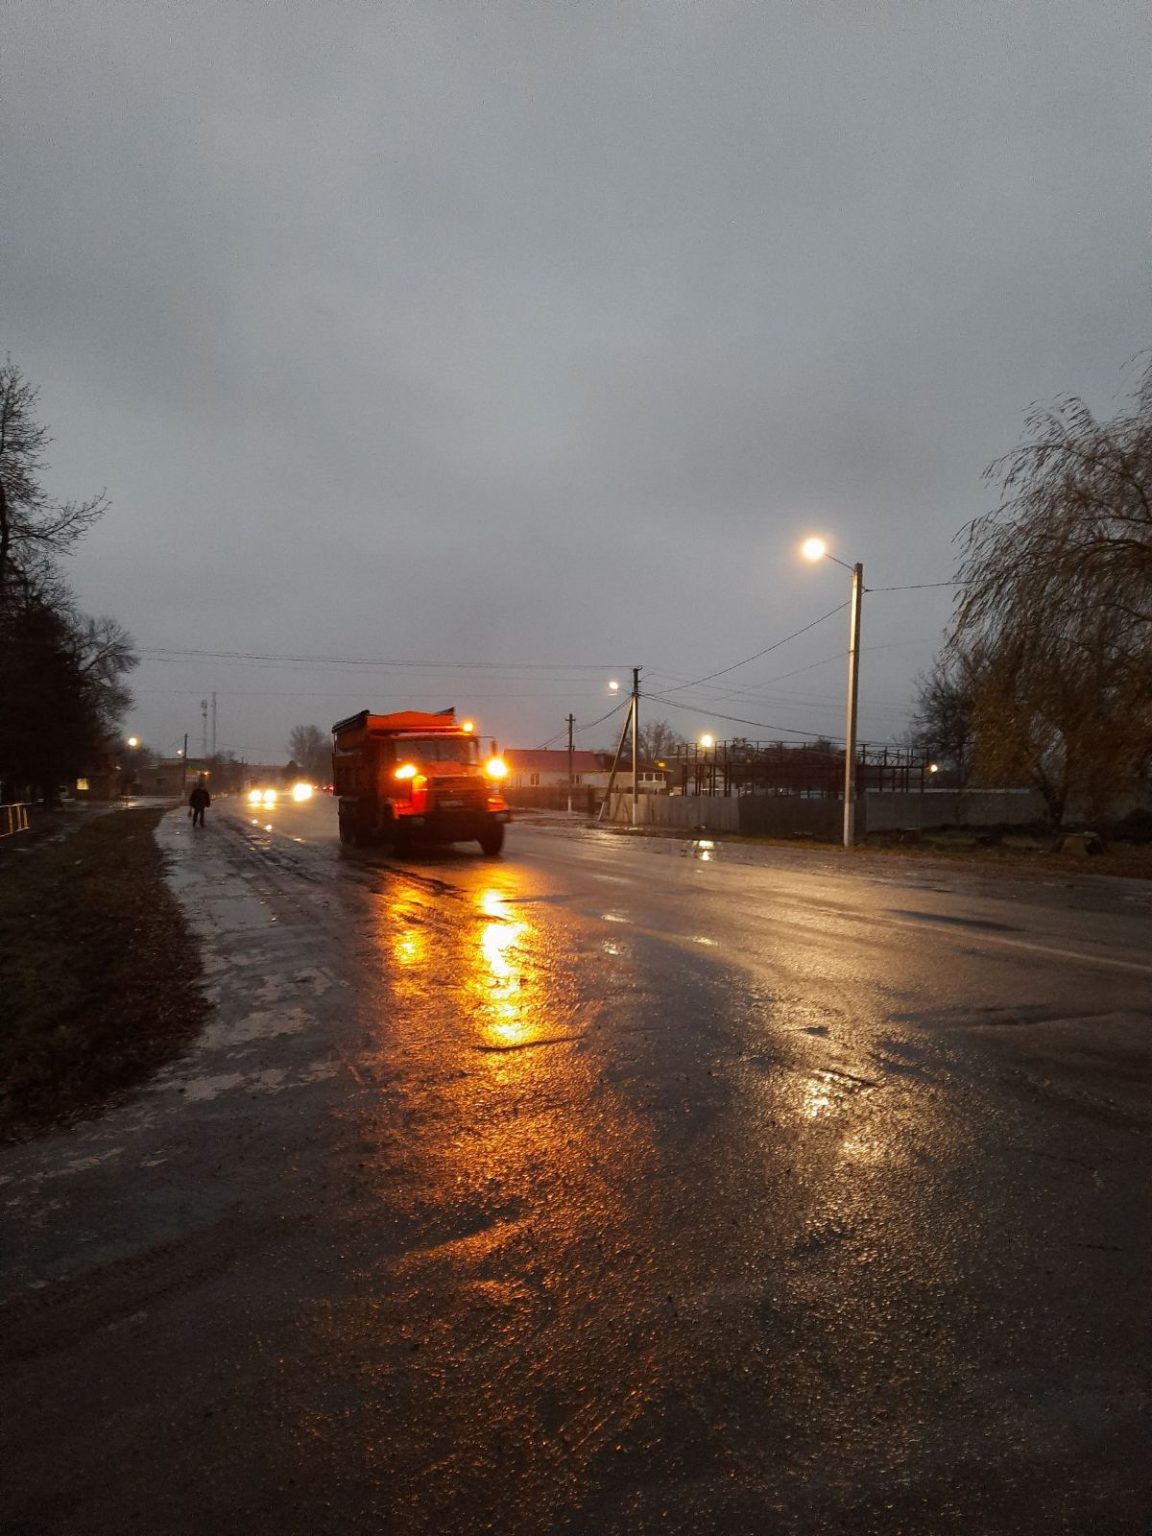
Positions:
{"x": 133, "y": 741}
{"x": 814, "y": 549}
{"x": 707, "y": 742}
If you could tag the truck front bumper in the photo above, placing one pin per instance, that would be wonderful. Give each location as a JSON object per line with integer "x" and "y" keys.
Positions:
{"x": 454, "y": 826}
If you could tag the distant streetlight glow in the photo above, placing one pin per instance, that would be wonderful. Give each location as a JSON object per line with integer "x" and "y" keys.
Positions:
{"x": 814, "y": 549}
{"x": 707, "y": 741}
{"x": 133, "y": 741}
{"x": 613, "y": 686}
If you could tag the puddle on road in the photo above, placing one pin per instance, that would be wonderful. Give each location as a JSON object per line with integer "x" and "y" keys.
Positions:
{"x": 828, "y": 1090}
{"x": 701, "y": 848}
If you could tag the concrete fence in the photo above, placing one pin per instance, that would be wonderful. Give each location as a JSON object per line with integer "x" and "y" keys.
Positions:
{"x": 950, "y": 808}
{"x": 750, "y": 815}
{"x": 710, "y": 813}
{"x": 822, "y": 818}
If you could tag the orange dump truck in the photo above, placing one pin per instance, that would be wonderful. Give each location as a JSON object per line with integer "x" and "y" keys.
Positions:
{"x": 413, "y": 777}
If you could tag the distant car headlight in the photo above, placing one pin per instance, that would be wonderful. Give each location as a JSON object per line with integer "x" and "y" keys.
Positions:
{"x": 255, "y": 796}
{"x": 269, "y": 798}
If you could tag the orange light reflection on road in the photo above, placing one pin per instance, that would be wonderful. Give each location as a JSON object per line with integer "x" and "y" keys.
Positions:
{"x": 499, "y": 982}
{"x": 519, "y": 1161}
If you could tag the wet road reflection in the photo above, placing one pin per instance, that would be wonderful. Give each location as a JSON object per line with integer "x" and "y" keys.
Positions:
{"x": 700, "y": 1212}
{"x": 506, "y": 1011}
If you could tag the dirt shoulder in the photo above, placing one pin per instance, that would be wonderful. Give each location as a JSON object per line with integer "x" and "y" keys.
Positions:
{"x": 99, "y": 975}
{"x": 1024, "y": 857}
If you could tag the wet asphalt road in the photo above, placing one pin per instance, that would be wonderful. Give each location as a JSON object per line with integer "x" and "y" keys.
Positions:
{"x": 610, "y": 1186}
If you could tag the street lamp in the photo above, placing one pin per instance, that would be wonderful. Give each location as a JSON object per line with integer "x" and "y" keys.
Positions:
{"x": 707, "y": 742}
{"x": 817, "y": 549}
{"x": 133, "y": 741}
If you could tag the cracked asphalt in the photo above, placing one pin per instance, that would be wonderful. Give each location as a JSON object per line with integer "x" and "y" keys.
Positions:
{"x": 612, "y": 1186}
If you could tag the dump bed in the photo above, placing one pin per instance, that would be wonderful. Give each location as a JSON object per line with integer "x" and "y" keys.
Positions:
{"x": 358, "y": 729}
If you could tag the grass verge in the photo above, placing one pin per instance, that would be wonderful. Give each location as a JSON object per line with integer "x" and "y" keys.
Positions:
{"x": 1129, "y": 861}
{"x": 99, "y": 976}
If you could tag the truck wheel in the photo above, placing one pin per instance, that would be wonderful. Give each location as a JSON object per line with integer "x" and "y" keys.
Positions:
{"x": 493, "y": 840}
{"x": 401, "y": 840}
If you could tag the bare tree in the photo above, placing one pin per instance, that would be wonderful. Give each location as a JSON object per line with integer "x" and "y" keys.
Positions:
{"x": 310, "y": 749}
{"x": 658, "y": 739}
{"x": 33, "y": 527}
{"x": 1055, "y": 620}
{"x": 64, "y": 693}
{"x": 62, "y": 672}
{"x": 942, "y": 724}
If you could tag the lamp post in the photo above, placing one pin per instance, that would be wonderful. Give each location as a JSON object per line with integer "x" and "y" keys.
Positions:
{"x": 816, "y": 549}
{"x": 128, "y": 780}
{"x": 705, "y": 744}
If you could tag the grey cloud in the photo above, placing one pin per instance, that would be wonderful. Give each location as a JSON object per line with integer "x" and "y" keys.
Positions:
{"x": 540, "y": 332}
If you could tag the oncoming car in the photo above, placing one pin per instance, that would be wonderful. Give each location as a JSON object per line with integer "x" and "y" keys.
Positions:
{"x": 267, "y": 797}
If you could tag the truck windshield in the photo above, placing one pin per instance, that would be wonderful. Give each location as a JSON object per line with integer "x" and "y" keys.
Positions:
{"x": 438, "y": 749}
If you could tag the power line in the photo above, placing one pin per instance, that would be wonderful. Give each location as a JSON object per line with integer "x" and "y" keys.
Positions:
{"x": 588, "y": 726}
{"x": 920, "y": 586}
{"x": 776, "y": 644}
{"x": 345, "y": 693}
{"x": 168, "y": 653}
{"x": 765, "y": 725}
{"x": 758, "y": 690}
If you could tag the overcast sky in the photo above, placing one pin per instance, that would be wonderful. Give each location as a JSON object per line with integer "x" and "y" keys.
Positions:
{"x": 538, "y": 334}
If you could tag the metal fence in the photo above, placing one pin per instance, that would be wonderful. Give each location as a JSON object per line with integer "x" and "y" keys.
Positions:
{"x": 14, "y": 818}
{"x": 814, "y": 770}
{"x": 585, "y": 798}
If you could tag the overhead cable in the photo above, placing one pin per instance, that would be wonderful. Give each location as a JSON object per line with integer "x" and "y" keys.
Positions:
{"x": 164, "y": 652}
{"x": 589, "y": 725}
{"x": 776, "y": 644}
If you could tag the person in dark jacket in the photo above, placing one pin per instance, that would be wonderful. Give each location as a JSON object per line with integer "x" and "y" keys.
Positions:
{"x": 199, "y": 800}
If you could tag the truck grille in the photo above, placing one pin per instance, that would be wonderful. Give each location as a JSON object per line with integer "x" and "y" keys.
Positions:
{"x": 459, "y": 794}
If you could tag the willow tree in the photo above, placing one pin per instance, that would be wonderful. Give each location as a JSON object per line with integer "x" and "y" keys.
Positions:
{"x": 1054, "y": 624}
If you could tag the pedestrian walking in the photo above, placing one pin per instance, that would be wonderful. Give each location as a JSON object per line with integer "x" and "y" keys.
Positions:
{"x": 199, "y": 800}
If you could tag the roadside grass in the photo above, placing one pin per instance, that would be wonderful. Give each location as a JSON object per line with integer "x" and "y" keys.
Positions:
{"x": 99, "y": 978}
{"x": 1022, "y": 855}
{"x": 1016, "y": 856}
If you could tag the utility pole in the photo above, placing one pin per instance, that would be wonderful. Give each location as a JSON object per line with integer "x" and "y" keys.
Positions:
{"x": 635, "y": 745}
{"x": 213, "y": 725}
{"x": 184, "y": 767}
{"x": 853, "y": 689}
{"x": 629, "y": 724}
{"x": 203, "y": 728}
{"x": 571, "y": 724}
